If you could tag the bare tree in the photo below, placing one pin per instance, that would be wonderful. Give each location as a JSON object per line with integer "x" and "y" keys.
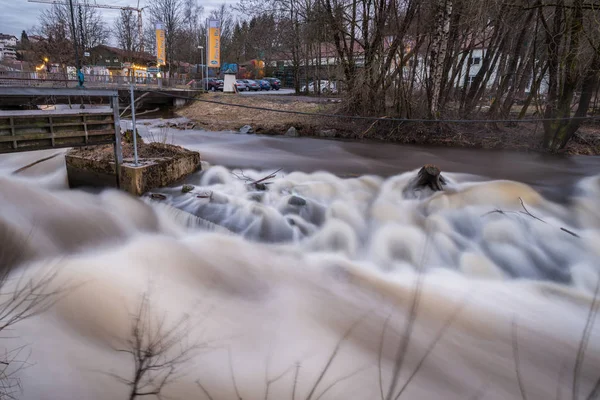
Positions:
{"x": 55, "y": 25}
{"x": 126, "y": 32}
{"x": 194, "y": 31}
{"x": 169, "y": 13}
{"x": 158, "y": 351}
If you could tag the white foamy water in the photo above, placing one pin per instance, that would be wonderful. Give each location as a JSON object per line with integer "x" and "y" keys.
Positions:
{"x": 316, "y": 288}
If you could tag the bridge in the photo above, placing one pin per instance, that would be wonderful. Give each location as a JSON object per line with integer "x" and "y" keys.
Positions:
{"x": 150, "y": 92}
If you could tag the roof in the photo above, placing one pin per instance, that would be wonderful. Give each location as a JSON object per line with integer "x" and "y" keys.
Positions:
{"x": 4, "y": 36}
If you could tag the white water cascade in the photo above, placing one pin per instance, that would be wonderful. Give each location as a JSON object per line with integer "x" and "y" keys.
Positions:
{"x": 317, "y": 288}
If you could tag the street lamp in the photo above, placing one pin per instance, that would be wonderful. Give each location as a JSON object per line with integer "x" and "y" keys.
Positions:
{"x": 201, "y": 63}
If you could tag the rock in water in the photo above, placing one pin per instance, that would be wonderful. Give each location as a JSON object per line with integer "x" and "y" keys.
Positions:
{"x": 187, "y": 188}
{"x": 429, "y": 179}
{"x": 292, "y": 132}
{"x": 246, "y": 129}
{"x": 327, "y": 132}
{"x": 296, "y": 201}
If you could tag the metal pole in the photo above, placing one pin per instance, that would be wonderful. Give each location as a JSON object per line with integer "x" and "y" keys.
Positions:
{"x": 118, "y": 150}
{"x": 206, "y": 59}
{"x": 74, "y": 33}
{"x": 135, "y": 155}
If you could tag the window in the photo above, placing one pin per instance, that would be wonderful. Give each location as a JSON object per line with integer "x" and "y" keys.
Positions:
{"x": 476, "y": 60}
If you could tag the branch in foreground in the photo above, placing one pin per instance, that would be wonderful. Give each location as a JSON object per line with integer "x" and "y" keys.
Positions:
{"x": 158, "y": 352}
{"x": 515, "y": 346}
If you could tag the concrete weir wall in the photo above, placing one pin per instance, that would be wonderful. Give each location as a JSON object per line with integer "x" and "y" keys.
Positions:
{"x": 151, "y": 173}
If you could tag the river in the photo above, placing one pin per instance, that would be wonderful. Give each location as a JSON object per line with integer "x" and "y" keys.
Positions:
{"x": 337, "y": 282}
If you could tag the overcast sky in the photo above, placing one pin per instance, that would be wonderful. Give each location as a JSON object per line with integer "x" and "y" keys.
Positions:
{"x": 19, "y": 15}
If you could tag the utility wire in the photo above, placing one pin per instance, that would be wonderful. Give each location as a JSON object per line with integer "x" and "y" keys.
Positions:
{"x": 358, "y": 117}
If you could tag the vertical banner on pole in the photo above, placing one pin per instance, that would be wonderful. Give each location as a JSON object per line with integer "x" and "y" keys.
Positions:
{"x": 160, "y": 45}
{"x": 214, "y": 43}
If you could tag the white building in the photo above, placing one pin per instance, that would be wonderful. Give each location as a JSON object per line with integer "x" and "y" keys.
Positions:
{"x": 7, "y": 53}
{"x": 8, "y": 40}
{"x": 8, "y": 44}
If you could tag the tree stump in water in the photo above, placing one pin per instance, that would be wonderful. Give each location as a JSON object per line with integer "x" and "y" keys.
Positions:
{"x": 429, "y": 179}
{"x": 430, "y": 176}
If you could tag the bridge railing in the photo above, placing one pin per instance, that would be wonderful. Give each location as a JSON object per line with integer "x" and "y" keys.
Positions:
{"x": 61, "y": 80}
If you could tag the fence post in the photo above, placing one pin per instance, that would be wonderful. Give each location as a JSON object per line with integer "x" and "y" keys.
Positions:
{"x": 118, "y": 149}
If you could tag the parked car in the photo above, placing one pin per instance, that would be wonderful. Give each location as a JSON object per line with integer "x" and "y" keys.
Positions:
{"x": 264, "y": 84}
{"x": 327, "y": 87}
{"x": 240, "y": 86}
{"x": 252, "y": 85}
{"x": 274, "y": 82}
{"x": 212, "y": 84}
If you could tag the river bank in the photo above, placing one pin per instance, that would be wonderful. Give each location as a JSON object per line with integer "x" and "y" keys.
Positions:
{"x": 524, "y": 137}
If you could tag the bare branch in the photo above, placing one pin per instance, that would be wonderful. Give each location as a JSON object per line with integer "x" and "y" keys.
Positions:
{"x": 515, "y": 346}
{"x": 341, "y": 379}
{"x": 237, "y": 392}
{"x": 332, "y": 357}
{"x": 204, "y": 390}
{"x": 437, "y": 338}
{"x": 585, "y": 337}
{"x": 528, "y": 213}
{"x": 414, "y": 306}
{"x": 158, "y": 352}
{"x": 380, "y": 356}
{"x": 295, "y": 381}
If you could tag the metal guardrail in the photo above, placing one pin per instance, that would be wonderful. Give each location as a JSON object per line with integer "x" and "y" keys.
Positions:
{"x": 35, "y": 79}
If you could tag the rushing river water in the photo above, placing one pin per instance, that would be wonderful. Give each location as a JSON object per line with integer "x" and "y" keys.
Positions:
{"x": 337, "y": 282}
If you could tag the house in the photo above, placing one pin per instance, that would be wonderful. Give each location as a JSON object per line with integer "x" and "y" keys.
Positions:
{"x": 9, "y": 41}
{"x": 8, "y": 44}
{"x": 119, "y": 62}
{"x": 36, "y": 38}
{"x": 7, "y": 53}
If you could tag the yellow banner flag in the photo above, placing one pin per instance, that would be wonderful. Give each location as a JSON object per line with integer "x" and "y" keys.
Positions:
{"x": 160, "y": 45}
{"x": 214, "y": 43}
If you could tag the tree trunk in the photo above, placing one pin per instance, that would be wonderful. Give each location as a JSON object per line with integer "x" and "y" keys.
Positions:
{"x": 559, "y": 129}
{"x": 438, "y": 54}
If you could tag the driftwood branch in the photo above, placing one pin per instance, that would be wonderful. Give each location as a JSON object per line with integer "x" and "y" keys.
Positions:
{"x": 258, "y": 184}
{"x": 35, "y": 163}
{"x": 529, "y": 214}
{"x": 145, "y": 112}
{"x": 135, "y": 102}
